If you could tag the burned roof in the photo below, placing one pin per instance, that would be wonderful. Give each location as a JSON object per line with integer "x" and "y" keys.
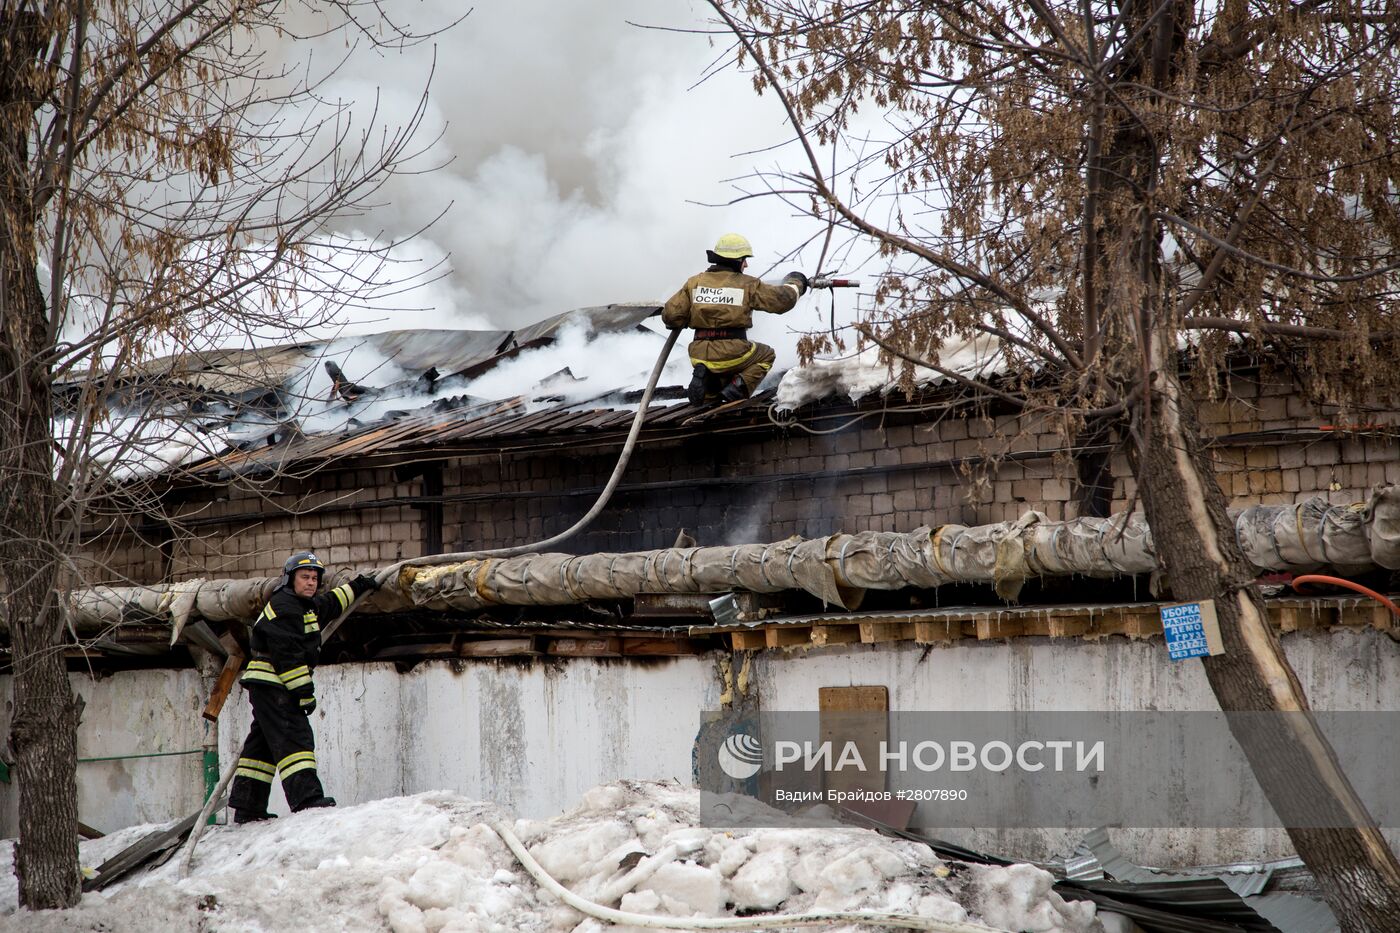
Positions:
{"x": 256, "y": 408}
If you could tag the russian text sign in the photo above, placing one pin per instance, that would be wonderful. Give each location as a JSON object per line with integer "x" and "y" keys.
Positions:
{"x": 1192, "y": 630}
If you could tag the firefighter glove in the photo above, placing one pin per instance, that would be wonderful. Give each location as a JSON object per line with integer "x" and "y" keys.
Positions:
{"x": 798, "y": 279}
{"x": 308, "y": 705}
{"x": 364, "y": 583}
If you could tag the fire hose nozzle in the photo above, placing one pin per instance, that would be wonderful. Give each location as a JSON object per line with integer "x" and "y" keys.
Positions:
{"x": 828, "y": 282}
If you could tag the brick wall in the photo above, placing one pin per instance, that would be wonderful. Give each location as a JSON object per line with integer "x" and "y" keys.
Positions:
{"x": 241, "y": 530}
{"x": 875, "y": 474}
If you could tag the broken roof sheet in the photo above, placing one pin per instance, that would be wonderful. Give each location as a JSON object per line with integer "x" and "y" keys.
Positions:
{"x": 272, "y": 406}
{"x": 473, "y": 423}
{"x": 422, "y": 389}
{"x": 233, "y": 371}
{"x": 614, "y": 317}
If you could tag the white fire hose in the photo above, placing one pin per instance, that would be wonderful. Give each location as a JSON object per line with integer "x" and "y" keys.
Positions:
{"x": 776, "y": 922}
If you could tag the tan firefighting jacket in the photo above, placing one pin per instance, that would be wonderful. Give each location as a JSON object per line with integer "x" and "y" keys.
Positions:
{"x": 720, "y": 297}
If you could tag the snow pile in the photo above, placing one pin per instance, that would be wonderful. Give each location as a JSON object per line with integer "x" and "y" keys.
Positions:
{"x": 861, "y": 373}
{"x": 430, "y": 863}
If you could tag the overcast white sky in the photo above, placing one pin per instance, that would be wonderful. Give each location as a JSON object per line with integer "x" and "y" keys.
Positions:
{"x": 574, "y": 145}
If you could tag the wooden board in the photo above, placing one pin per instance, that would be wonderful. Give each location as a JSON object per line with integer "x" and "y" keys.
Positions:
{"x": 872, "y": 633}
{"x": 853, "y": 699}
{"x": 662, "y": 647}
{"x": 422, "y": 652}
{"x": 227, "y": 677}
{"x": 144, "y": 850}
{"x": 1137, "y": 624}
{"x": 936, "y": 633}
{"x": 718, "y": 409}
{"x": 1135, "y": 621}
{"x": 1068, "y": 626}
{"x": 851, "y": 714}
{"x": 835, "y": 634}
{"x": 787, "y": 635}
{"x": 610, "y": 647}
{"x": 749, "y": 640}
{"x": 498, "y": 648}
{"x": 1366, "y": 614}
{"x": 990, "y": 626}
{"x": 1292, "y": 619}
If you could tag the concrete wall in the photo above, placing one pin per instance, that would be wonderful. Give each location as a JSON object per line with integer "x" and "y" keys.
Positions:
{"x": 1339, "y": 670}
{"x": 532, "y": 736}
{"x": 535, "y": 735}
{"x": 135, "y": 713}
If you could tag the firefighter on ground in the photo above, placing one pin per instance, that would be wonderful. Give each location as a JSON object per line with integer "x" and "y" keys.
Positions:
{"x": 719, "y": 304}
{"x": 285, "y": 645}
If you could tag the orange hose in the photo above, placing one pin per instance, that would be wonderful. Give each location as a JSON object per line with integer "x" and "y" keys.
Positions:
{"x": 1338, "y": 581}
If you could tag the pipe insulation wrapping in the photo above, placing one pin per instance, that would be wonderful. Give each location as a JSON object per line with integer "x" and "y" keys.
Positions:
{"x": 838, "y": 569}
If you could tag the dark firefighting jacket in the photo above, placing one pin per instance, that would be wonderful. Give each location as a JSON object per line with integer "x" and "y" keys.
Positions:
{"x": 286, "y": 639}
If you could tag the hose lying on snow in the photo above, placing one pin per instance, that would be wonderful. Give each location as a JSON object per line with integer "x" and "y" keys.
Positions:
{"x": 777, "y": 922}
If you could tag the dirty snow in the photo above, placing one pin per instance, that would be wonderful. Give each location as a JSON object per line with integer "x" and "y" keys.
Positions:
{"x": 430, "y": 864}
{"x": 862, "y": 373}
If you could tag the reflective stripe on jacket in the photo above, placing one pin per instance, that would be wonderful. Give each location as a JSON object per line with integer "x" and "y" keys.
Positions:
{"x": 286, "y": 639}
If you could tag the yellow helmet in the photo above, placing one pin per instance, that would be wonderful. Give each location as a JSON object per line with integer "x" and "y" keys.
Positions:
{"x": 733, "y": 246}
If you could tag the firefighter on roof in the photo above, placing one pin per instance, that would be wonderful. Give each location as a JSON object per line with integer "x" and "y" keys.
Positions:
{"x": 286, "y": 644}
{"x": 719, "y": 304}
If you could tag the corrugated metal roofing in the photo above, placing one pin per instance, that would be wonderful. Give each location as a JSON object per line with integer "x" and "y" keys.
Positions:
{"x": 235, "y": 371}
{"x": 1292, "y": 913}
{"x": 614, "y": 317}
{"x": 1187, "y": 904}
{"x": 460, "y": 420}
{"x": 479, "y": 424}
{"x": 1226, "y": 889}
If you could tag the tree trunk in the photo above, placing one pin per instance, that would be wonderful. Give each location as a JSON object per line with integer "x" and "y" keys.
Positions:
{"x": 1195, "y": 540}
{"x": 43, "y": 739}
{"x": 1293, "y": 761}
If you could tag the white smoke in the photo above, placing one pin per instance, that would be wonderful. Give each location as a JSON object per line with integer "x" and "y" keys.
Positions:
{"x": 574, "y": 148}
{"x": 580, "y": 365}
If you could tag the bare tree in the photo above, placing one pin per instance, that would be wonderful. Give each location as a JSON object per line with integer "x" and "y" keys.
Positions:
{"x": 1087, "y": 181}
{"x": 162, "y": 178}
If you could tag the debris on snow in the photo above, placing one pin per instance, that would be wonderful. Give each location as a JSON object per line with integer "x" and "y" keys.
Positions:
{"x": 429, "y": 863}
{"x": 862, "y": 373}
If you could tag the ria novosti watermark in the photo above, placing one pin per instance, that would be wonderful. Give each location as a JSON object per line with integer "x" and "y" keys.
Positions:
{"x": 1014, "y": 769}
{"x": 1030, "y": 756}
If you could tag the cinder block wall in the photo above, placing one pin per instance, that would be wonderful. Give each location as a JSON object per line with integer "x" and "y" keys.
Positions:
{"x": 241, "y": 530}
{"x": 726, "y": 489}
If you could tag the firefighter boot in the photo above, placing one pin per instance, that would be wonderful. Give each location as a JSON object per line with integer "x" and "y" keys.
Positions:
{"x": 695, "y": 392}
{"x": 316, "y": 803}
{"x": 734, "y": 390}
{"x": 248, "y": 816}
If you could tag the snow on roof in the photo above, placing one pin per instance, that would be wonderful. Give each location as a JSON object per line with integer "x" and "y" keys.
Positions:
{"x": 430, "y": 862}
{"x": 862, "y": 373}
{"x": 176, "y": 410}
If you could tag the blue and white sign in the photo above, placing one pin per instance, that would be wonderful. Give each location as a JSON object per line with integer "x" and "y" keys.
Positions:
{"x": 1191, "y": 630}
